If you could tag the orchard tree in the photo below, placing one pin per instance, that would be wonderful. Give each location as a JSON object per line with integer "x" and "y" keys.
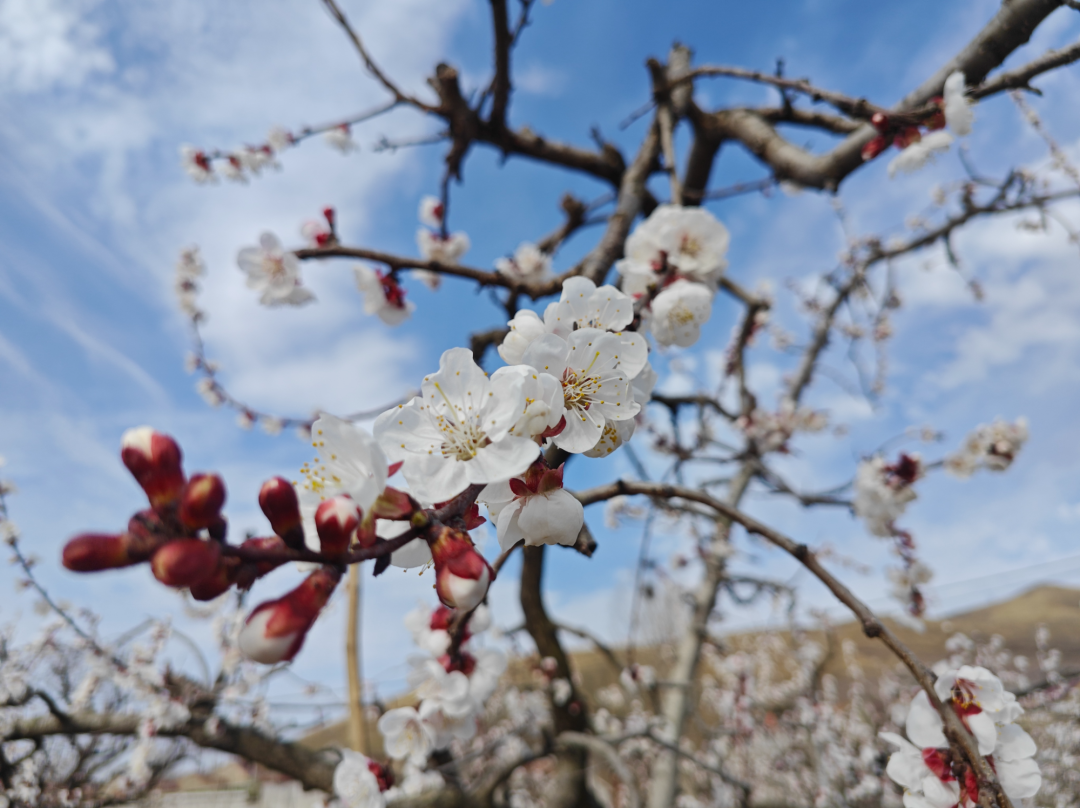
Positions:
{"x": 572, "y": 378}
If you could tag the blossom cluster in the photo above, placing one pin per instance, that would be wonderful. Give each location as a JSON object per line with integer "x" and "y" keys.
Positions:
{"x": 928, "y": 769}
{"x": 991, "y": 446}
{"x": 883, "y": 491}
{"x": 954, "y": 111}
{"x": 453, "y": 680}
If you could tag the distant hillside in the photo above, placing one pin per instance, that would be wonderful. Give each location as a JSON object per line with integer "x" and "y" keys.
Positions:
{"x": 1016, "y": 620}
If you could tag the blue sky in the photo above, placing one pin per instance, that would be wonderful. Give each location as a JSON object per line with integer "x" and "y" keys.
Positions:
{"x": 96, "y": 97}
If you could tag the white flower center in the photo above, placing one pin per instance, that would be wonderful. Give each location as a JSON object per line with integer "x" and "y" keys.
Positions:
{"x": 681, "y": 315}
{"x": 689, "y": 246}
{"x": 274, "y": 266}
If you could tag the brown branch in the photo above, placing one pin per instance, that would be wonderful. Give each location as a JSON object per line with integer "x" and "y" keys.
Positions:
{"x": 500, "y": 93}
{"x": 480, "y": 341}
{"x": 631, "y": 194}
{"x": 575, "y": 211}
{"x": 855, "y": 107}
{"x": 698, "y": 400}
{"x": 1019, "y": 78}
{"x": 872, "y": 626}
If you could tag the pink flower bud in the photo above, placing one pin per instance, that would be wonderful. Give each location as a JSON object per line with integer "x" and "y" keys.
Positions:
{"x": 185, "y": 562}
{"x": 92, "y": 552}
{"x": 462, "y": 576}
{"x": 154, "y": 461}
{"x": 880, "y": 121}
{"x": 275, "y": 631}
{"x": 336, "y": 520}
{"x": 201, "y": 501}
{"x": 394, "y": 504}
{"x": 278, "y": 501}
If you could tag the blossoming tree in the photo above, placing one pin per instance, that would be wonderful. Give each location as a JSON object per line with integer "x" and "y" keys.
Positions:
{"x": 576, "y": 382}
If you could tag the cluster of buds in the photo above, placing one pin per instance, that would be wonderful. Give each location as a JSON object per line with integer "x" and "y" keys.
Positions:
{"x": 900, "y": 134}
{"x": 320, "y": 234}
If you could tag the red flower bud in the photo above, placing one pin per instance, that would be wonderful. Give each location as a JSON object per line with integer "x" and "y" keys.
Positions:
{"x": 880, "y": 121}
{"x": 154, "y": 461}
{"x": 92, "y": 552}
{"x": 462, "y": 576}
{"x": 185, "y": 562}
{"x": 278, "y": 501}
{"x": 905, "y": 137}
{"x": 875, "y": 147}
{"x": 201, "y": 501}
{"x": 218, "y": 583}
{"x": 383, "y": 774}
{"x": 394, "y": 504}
{"x": 275, "y": 631}
{"x": 330, "y": 216}
{"x": 336, "y": 520}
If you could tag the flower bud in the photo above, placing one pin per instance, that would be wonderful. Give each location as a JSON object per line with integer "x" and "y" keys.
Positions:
{"x": 394, "y": 504}
{"x": 278, "y": 501}
{"x": 336, "y": 519}
{"x": 219, "y": 582}
{"x": 154, "y": 461}
{"x": 880, "y": 121}
{"x": 201, "y": 501}
{"x": 462, "y": 576}
{"x": 384, "y": 776}
{"x": 92, "y": 552}
{"x": 250, "y": 571}
{"x": 185, "y": 562}
{"x": 275, "y": 631}
{"x": 875, "y": 147}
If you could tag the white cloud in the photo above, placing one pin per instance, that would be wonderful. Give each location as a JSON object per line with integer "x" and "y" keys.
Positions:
{"x": 48, "y": 43}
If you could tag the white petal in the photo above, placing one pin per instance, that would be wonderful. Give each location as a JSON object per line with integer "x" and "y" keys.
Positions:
{"x": 552, "y": 518}
{"x": 924, "y": 726}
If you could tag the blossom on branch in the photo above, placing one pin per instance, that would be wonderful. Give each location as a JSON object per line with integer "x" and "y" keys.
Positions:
{"x": 596, "y": 389}
{"x": 441, "y": 249}
{"x": 196, "y": 164}
{"x": 678, "y": 312}
{"x": 990, "y": 446}
{"x": 359, "y": 781}
{"x": 919, "y": 153}
{"x": 534, "y": 508}
{"x": 883, "y": 491}
{"x": 274, "y": 273}
{"x": 959, "y": 114}
{"x": 431, "y": 212}
{"x": 457, "y": 432}
{"x": 528, "y": 265}
{"x": 689, "y": 242}
{"x": 925, "y": 765}
{"x": 383, "y": 295}
{"x": 340, "y": 138}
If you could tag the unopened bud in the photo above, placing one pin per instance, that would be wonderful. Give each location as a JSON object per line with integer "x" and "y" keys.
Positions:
{"x": 336, "y": 519}
{"x": 875, "y": 147}
{"x": 201, "y": 501}
{"x": 384, "y": 776}
{"x": 218, "y": 583}
{"x": 880, "y": 121}
{"x": 154, "y": 460}
{"x": 278, "y": 501}
{"x": 275, "y": 631}
{"x": 462, "y": 576}
{"x": 92, "y": 552}
{"x": 185, "y": 562}
{"x": 394, "y": 504}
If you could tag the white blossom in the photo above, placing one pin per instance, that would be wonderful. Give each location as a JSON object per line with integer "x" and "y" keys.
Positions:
{"x": 383, "y": 297}
{"x": 274, "y": 273}
{"x": 550, "y": 517}
{"x": 616, "y": 433}
{"x": 525, "y": 328}
{"x": 596, "y": 389}
{"x": 431, "y": 212}
{"x": 689, "y": 241}
{"x": 921, "y": 152}
{"x": 990, "y": 446}
{"x": 528, "y": 265}
{"x": 883, "y": 492}
{"x": 406, "y": 736}
{"x": 678, "y": 312}
{"x": 279, "y": 138}
{"x": 959, "y": 114}
{"x": 457, "y": 432}
{"x": 543, "y": 394}
{"x": 196, "y": 164}
{"x": 340, "y": 138}
{"x": 355, "y": 785}
{"x": 434, "y": 247}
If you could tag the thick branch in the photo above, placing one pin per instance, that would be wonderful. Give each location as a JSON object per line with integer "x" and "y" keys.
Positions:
{"x": 500, "y": 95}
